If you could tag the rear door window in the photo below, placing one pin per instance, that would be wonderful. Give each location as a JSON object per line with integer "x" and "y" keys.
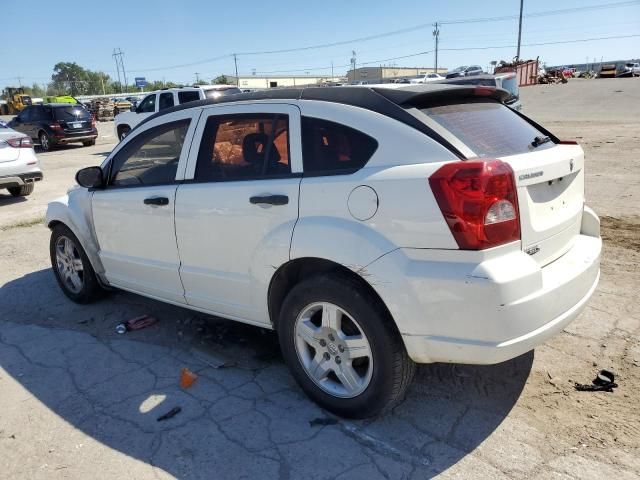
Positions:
{"x": 330, "y": 148}
{"x": 244, "y": 147}
{"x": 188, "y": 96}
{"x": 165, "y": 101}
{"x": 490, "y": 129}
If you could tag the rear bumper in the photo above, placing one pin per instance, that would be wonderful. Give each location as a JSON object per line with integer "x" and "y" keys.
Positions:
{"x": 82, "y": 138}
{"x": 19, "y": 180}
{"x": 458, "y": 311}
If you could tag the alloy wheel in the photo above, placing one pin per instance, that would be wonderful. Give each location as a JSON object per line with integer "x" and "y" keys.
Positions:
{"x": 333, "y": 350}
{"x": 69, "y": 264}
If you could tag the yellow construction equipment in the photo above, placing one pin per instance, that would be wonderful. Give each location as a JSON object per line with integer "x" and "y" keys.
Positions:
{"x": 15, "y": 99}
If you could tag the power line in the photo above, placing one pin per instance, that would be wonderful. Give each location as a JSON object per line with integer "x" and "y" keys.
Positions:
{"x": 399, "y": 32}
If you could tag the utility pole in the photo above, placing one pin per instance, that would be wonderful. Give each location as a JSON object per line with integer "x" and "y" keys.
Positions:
{"x": 19, "y": 81}
{"x": 197, "y": 78}
{"x": 332, "y": 77}
{"x": 115, "y": 57}
{"x": 353, "y": 64}
{"x": 235, "y": 61}
{"x": 436, "y": 35}
{"x": 520, "y": 30}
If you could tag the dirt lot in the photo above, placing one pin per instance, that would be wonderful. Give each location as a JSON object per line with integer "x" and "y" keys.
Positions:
{"x": 78, "y": 401}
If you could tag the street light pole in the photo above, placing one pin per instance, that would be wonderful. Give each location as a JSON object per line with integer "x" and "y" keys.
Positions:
{"x": 520, "y": 29}
{"x": 235, "y": 61}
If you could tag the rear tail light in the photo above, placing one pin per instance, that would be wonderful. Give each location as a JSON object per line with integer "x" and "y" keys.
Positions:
{"x": 484, "y": 91}
{"x": 567, "y": 142}
{"x": 479, "y": 202}
{"x": 20, "y": 142}
{"x": 55, "y": 126}
{"x": 93, "y": 121}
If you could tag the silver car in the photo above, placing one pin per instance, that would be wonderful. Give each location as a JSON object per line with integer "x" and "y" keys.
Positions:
{"x": 19, "y": 166}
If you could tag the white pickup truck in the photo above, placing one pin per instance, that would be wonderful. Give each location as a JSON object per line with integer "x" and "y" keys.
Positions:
{"x": 167, "y": 98}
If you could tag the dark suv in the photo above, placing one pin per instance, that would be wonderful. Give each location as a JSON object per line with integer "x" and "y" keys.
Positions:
{"x": 57, "y": 124}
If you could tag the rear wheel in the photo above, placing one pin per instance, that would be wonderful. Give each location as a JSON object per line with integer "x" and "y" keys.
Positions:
{"x": 22, "y": 190}
{"x": 123, "y": 131}
{"x": 89, "y": 143}
{"x": 45, "y": 141}
{"x": 343, "y": 348}
{"x": 72, "y": 267}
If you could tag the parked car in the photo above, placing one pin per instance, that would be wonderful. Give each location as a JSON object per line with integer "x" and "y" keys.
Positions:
{"x": 367, "y": 236}
{"x": 632, "y": 68}
{"x": 19, "y": 166}
{"x": 57, "y": 124}
{"x": 506, "y": 81}
{"x": 427, "y": 77}
{"x": 167, "y": 98}
{"x": 465, "y": 71}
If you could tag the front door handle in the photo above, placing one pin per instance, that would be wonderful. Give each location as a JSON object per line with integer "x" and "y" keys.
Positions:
{"x": 270, "y": 200}
{"x": 156, "y": 201}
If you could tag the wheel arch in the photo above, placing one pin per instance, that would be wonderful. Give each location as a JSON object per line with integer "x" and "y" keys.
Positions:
{"x": 293, "y": 272}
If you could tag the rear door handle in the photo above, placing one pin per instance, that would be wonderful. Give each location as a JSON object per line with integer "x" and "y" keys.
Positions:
{"x": 156, "y": 201}
{"x": 270, "y": 200}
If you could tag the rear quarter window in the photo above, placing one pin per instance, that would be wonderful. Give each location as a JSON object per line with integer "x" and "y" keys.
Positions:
{"x": 190, "y": 96}
{"x": 488, "y": 128}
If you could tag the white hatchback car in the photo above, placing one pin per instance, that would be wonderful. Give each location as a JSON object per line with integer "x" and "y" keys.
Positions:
{"x": 371, "y": 227}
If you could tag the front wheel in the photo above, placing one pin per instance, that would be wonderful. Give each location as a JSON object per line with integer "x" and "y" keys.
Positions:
{"x": 123, "y": 132}
{"x": 342, "y": 347}
{"x": 72, "y": 267}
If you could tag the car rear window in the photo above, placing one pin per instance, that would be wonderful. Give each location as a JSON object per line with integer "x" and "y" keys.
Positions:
{"x": 490, "y": 129}
{"x": 72, "y": 112}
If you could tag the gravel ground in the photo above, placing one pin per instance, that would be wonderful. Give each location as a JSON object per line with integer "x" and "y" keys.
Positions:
{"x": 78, "y": 401}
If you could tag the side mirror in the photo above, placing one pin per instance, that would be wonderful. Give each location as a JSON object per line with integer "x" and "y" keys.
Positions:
{"x": 132, "y": 109}
{"x": 90, "y": 177}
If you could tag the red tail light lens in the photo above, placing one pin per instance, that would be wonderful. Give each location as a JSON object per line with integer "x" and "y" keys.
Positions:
{"x": 55, "y": 126}
{"x": 479, "y": 202}
{"x": 93, "y": 122}
{"x": 20, "y": 142}
{"x": 567, "y": 142}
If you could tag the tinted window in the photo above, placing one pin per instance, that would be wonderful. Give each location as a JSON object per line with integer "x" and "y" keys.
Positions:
{"x": 166, "y": 100}
{"x": 148, "y": 105}
{"x": 152, "y": 157}
{"x": 218, "y": 92}
{"x": 332, "y": 148}
{"x": 236, "y": 147}
{"x": 26, "y": 115}
{"x": 189, "y": 96}
{"x": 70, "y": 113}
{"x": 41, "y": 113}
{"x": 488, "y": 128}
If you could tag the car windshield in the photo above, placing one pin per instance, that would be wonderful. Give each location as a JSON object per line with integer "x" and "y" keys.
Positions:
{"x": 459, "y": 69}
{"x": 71, "y": 113}
{"x": 218, "y": 92}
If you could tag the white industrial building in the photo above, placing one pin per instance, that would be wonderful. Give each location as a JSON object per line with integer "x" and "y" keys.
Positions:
{"x": 274, "y": 81}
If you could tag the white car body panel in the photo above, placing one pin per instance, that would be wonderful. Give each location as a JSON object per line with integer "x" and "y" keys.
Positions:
{"x": 215, "y": 252}
{"x": 137, "y": 242}
{"x": 229, "y": 248}
{"x": 16, "y": 163}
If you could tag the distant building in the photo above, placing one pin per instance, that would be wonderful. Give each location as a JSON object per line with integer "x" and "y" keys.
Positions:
{"x": 275, "y": 81}
{"x": 383, "y": 74}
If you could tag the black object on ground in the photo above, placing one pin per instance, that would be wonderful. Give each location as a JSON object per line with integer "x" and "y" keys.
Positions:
{"x": 604, "y": 382}
{"x": 171, "y": 413}
{"x": 322, "y": 421}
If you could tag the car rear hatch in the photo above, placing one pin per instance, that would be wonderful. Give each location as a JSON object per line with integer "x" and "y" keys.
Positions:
{"x": 549, "y": 175}
{"x": 74, "y": 120}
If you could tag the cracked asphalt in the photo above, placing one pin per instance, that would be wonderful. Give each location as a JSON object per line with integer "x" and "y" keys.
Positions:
{"x": 79, "y": 401}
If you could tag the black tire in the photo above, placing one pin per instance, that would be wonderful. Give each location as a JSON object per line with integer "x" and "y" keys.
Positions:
{"x": 45, "y": 142}
{"x": 392, "y": 367}
{"x": 22, "y": 190}
{"x": 123, "y": 131}
{"x": 89, "y": 143}
{"x": 91, "y": 289}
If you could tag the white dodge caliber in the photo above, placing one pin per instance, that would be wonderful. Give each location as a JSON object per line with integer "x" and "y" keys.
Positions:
{"x": 372, "y": 228}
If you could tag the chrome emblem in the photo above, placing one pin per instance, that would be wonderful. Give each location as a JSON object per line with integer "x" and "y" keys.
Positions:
{"x": 571, "y": 165}
{"x": 333, "y": 350}
{"x": 532, "y": 250}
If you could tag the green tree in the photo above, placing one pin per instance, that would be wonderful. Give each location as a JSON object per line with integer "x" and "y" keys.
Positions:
{"x": 220, "y": 80}
{"x": 70, "y": 78}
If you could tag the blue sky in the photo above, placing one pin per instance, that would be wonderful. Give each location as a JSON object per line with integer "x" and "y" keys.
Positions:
{"x": 159, "y": 35}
